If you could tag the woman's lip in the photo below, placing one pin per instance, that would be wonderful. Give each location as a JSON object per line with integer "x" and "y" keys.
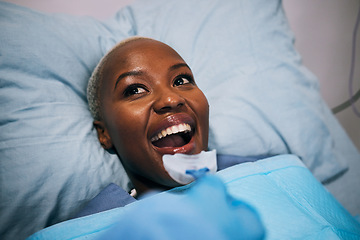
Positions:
{"x": 172, "y": 120}
{"x": 188, "y": 148}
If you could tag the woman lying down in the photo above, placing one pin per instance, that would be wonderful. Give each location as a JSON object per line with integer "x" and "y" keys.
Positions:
{"x": 146, "y": 105}
{"x": 148, "y": 110}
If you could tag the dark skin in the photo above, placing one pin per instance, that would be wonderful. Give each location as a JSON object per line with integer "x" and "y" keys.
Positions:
{"x": 149, "y": 90}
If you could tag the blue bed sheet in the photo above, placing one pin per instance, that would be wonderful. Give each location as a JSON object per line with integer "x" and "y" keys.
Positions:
{"x": 289, "y": 201}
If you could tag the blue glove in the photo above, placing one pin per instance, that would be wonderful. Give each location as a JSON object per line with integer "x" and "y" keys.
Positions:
{"x": 203, "y": 211}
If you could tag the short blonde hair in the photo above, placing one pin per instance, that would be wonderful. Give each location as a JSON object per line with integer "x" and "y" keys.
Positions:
{"x": 95, "y": 81}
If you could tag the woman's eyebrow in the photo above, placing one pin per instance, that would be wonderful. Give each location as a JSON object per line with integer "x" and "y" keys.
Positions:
{"x": 127, "y": 74}
{"x": 179, "y": 65}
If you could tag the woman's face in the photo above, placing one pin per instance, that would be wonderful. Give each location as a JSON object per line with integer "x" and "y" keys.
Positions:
{"x": 151, "y": 106}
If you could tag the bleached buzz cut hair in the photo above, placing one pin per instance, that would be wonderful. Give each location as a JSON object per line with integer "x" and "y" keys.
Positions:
{"x": 96, "y": 79}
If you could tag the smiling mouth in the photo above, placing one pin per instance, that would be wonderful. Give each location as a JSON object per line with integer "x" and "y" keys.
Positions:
{"x": 173, "y": 137}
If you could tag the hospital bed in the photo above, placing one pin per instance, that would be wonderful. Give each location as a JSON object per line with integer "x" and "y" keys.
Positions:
{"x": 263, "y": 102}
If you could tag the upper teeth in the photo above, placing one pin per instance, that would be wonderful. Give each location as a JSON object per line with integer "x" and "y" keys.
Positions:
{"x": 172, "y": 130}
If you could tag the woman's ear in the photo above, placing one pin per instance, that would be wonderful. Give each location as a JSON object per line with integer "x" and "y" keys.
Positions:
{"x": 103, "y": 135}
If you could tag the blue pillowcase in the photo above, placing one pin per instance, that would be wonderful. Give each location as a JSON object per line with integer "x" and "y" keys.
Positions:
{"x": 263, "y": 101}
{"x": 51, "y": 161}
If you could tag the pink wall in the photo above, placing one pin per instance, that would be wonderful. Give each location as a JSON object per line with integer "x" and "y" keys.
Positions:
{"x": 323, "y": 30}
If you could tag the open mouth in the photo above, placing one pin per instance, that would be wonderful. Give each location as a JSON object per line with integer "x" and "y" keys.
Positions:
{"x": 173, "y": 137}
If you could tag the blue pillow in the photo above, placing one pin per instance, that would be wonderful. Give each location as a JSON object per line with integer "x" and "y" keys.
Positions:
{"x": 263, "y": 101}
{"x": 51, "y": 161}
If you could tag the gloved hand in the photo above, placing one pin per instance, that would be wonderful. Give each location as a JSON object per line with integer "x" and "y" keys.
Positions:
{"x": 205, "y": 210}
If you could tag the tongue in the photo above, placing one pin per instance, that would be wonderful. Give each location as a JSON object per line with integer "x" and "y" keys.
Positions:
{"x": 170, "y": 141}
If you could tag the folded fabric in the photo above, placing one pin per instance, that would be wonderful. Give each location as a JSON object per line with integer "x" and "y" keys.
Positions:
{"x": 290, "y": 202}
{"x": 114, "y": 196}
{"x": 51, "y": 162}
{"x": 110, "y": 197}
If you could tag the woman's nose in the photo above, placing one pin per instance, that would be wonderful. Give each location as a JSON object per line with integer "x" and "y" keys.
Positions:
{"x": 167, "y": 101}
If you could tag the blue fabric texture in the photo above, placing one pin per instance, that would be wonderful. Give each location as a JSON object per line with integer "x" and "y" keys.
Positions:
{"x": 114, "y": 196}
{"x": 111, "y": 197}
{"x": 262, "y": 99}
{"x": 290, "y": 202}
{"x": 51, "y": 162}
{"x": 238, "y": 51}
{"x": 190, "y": 216}
{"x": 225, "y": 160}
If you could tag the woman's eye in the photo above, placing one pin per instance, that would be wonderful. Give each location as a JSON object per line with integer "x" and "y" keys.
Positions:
{"x": 133, "y": 90}
{"x": 182, "y": 81}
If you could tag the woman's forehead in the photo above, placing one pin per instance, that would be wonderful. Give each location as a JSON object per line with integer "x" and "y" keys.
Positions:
{"x": 146, "y": 56}
{"x": 140, "y": 53}
{"x": 143, "y": 49}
